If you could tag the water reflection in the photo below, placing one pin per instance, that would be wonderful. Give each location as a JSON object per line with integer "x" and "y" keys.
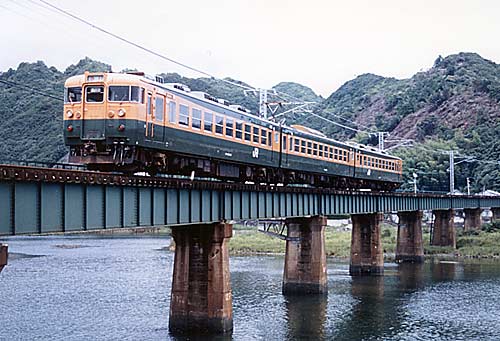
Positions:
{"x": 306, "y": 316}
{"x": 411, "y": 276}
{"x": 443, "y": 271}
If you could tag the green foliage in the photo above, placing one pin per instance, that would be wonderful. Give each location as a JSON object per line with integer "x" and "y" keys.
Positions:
{"x": 31, "y": 126}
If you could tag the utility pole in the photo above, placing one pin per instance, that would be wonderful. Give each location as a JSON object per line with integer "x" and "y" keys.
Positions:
{"x": 452, "y": 172}
{"x": 415, "y": 176}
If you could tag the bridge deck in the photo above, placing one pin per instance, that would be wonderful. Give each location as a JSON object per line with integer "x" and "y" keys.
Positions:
{"x": 44, "y": 200}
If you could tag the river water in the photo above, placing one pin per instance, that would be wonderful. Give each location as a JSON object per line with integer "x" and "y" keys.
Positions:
{"x": 118, "y": 288}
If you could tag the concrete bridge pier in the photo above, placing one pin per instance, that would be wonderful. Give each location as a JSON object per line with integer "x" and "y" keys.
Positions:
{"x": 367, "y": 255}
{"x": 444, "y": 233}
{"x": 472, "y": 219}
{"x": 496, "y": 214}
{"x": 4, "y": 254}
{"x": 410, "y": 246}
{"x": 201, "y": 300}
{"x": 305, "y": 258}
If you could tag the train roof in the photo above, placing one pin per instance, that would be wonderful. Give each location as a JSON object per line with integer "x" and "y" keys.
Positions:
{"x": 181, "y": 89}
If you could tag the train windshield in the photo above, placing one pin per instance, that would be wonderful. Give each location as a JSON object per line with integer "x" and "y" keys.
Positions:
{"x": 120, "y": 93}
{"x": 73, "y": 95}
{"x": 94, "y": 94}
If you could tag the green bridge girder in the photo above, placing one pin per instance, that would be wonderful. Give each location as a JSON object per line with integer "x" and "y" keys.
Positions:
{"x": 45, "y": 207}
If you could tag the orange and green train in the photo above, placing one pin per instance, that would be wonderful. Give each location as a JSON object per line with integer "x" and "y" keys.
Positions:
{"x": 130, "y": 123}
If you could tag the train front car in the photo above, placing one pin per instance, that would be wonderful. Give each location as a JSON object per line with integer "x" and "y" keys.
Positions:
{"x": 101, "y": 112}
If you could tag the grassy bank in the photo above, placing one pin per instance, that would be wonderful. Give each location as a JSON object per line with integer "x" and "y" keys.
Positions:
{"x": 338, "y": 243}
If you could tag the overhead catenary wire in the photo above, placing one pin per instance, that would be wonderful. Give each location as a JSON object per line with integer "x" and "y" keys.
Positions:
{"x": 143, "y": 48}
{"x": 26, "y": 87}
{"x": 56, "y": 9}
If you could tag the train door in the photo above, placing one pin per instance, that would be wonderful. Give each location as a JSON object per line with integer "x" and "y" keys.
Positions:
{"x": 148, "y": 122}
{"x": 93, "y": 113}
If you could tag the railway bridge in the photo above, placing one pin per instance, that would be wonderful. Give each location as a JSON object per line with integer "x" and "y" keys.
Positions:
{"x": 39, "y": 200}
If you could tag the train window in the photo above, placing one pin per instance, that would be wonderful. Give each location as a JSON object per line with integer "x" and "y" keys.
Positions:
{"x": 303, "y": 146}
{"x": 263, "y": 138}
{"x": 315, "y": 149}
{"x": 290, "y": 145}
{"x": 136, "y": 94}
{"x": 320, "y": 150}
{"x": 276, "y": 137}
{"x": 73, "y": 95}
{"x": 159, "y": 109}
{"x": 119, "y": 93}
{"x": 238, "y": 130}
{"x": 331, "y": 153}
{"x": 148, "y": 106}
{"x": 183, "y": 114}
{"x": 229, "y": 127}
{"x": 255, "y": 134}
{"x": 309, "y": 147}
{"x": 248, "y": 132}
{"x": 219, "y": 124}
{"x": 269, "y": 138}
{"x": 208, "y": 120}
{"x": 196, "y": 122}
{"x": 283, "y": 147}
{"x": 171, "y": 112}
{"x": 94, "y": 94}
{"x": 296, "y": 145}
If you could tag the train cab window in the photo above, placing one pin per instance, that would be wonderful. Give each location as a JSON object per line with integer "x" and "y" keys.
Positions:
{"x": 119, "y": 93}
{"x": 94, "y": 94}
{"x": 196, "y": 118}
{"x": 159, "y": 108}
{"x": 183, "y": 114}
{"x": 208, "y": 120}
{"x": 263, "y": 136}
{"x": 229, "y": 127}
{"x": 248, "y": 132}
{"x": 171, "y": 112}
{"x": 303, "y": 146}
{"x": 238, "y": 132}
{"x": 219, "y": 124}
{"x": 255, "y": 135}
{"x": 73, "y": 95}
{"x": 136, "y": 94}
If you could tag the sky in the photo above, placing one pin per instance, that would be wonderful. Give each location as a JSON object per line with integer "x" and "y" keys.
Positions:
{"x": 318, "y": 43}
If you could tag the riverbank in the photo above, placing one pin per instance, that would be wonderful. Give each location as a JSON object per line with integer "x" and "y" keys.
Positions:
{"x": 480, "y": 244}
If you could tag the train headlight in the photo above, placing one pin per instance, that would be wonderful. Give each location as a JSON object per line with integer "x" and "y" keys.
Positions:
{"x": 69, "y": 114}
{"x": 69, "y": 128}
{"x": 121, "y": 112}
{"x": 78, "y": 114}
{"x": 111, "y": 114}
{"x": 121, "y": 127}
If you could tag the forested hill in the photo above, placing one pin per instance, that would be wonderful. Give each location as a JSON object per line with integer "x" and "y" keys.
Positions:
{"x": 453, "y": 105}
